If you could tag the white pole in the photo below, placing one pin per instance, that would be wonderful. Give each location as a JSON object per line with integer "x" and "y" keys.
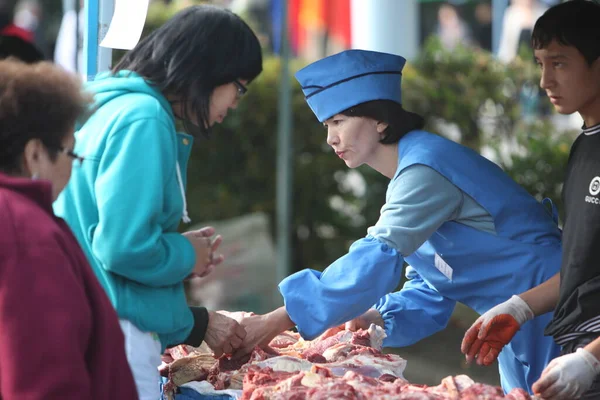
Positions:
{"x": 105, "y": 15}
{"x": 390, "y": 26}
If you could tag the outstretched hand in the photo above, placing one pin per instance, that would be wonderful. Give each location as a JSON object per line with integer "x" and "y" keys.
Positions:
{"x": 495, "y": 329}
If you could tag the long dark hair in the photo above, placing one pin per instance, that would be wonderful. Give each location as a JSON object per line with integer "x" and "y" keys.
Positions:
{"x": 399, "y": 121}
{"x": 200, "y": 48}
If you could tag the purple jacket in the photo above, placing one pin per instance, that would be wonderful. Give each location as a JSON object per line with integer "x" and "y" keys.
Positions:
{"x": 60, "y": 336}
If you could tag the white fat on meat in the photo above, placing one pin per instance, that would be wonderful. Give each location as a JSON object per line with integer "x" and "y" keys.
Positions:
{"x": 376, "y": 335}
{"x": 370, "y": 365}
{"x": 364, "y": 364}
{"x": 285, "y": 364}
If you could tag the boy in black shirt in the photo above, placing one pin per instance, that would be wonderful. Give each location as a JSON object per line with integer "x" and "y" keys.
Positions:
{"x": 566, "y": 40}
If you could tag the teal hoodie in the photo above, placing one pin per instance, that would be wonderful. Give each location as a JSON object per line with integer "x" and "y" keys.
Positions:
{"x": 126, "y": 200}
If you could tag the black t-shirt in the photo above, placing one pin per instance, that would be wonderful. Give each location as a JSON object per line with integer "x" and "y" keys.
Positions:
{"x": 578, "y": 309}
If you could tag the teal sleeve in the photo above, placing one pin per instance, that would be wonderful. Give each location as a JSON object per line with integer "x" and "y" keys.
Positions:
{"x": 129, "y": 239}
{"x": 418, "y": 202}
{"x": 414, "y": 312}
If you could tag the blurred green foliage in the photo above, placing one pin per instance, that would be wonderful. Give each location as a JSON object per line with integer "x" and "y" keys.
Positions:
{"x": 234, "y": 171}
{"x": 493, "y": 105}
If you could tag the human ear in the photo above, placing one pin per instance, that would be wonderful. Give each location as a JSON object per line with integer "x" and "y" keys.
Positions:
{"x": 32, "y": 155}
{"x": 381, "y": 126}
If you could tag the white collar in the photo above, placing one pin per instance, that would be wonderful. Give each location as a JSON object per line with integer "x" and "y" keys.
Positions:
{"x": 591, "y": 130}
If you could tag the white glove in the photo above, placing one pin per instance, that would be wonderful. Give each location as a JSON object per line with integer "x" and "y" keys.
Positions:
{"x": 568, "y": 377}
{"x": 515, "y": 306}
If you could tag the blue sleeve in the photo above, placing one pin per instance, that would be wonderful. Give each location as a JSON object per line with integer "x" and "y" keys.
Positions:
{"x": 414, "y": 312}
{"x": 138, "y": 162}
{"x": 418, "y": 202}
{"x": 317, "y": 301}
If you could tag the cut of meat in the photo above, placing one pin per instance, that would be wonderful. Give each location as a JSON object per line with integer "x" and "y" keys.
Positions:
{"x": 315, "y": 351}
{"x": 266, "y": 384}
{"x": 181, "y": 351}
{"x": 284, "y": 339}
{"x": 369, "y": 365}
{"x": 366, "y": 364}
{"x": 339, "y": 364}
{"x": 190, "y": 369}
{"x": 481, "y": 391}
{"x": 344, "y": 351}
{"x": 261, "y": 382}
{"x": 518, "y": 394}
{"x": 285, "y": 364}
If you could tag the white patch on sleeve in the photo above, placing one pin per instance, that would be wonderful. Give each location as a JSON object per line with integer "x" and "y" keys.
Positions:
{"x": 443, "y": 266}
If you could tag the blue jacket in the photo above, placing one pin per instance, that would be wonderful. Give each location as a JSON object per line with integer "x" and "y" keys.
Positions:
{"x": 454, "y": 262}
{"x": 125, "y": 203}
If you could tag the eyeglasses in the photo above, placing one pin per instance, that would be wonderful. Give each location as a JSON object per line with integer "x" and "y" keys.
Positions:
{"x": 241, "y": 89}
{"x": 76, "y": 158}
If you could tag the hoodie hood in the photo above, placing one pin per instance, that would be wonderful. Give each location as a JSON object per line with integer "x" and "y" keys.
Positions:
{"x": 108, "y": 86}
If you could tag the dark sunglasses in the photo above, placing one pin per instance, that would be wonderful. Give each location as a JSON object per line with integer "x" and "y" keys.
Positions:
{"x": 241, "y": 88}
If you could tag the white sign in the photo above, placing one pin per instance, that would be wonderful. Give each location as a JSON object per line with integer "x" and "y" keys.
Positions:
{"x": 127, "y": 24}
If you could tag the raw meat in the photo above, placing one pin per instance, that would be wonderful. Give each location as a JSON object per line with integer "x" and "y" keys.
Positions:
{"x": 339, "y": 364}
{"x": 315, "y": 352}
{"x": 266, "y": 384}
{"x": 284, "y": 339}
{"x": 367, "y": 364}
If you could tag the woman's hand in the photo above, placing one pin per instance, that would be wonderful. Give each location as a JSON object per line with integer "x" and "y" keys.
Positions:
{"x": 261, "y": 329}
{"x": 205, "y": 248}
{"x": 223, "y": 334}
{"x": 371, "y": 316}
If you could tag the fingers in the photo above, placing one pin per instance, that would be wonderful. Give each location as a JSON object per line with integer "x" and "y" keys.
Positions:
{"x": 487, "y": 355}
{"x": 227, "y": 348}
{"x": 490, "y": 357}
{"x": 236, "y": 342}
{"x": 207, "y": 231}
{"x": 217, "y": 352}
{"x": 218, "y": 259}
{"x": 243, "y": 351}
{"x": 208, "y": 270}
{"x": 240, "y": 332}
{"x": 546, "y": 386}
{"x": 469, "y": 339}
{"x": 484, "y": 328}
{"x": 474, "y": 350}
{"x": 351, "y": 326}
{"x": 216, "y": 243}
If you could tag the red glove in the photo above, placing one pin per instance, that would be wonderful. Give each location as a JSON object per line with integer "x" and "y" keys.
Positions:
{"x": 494, "y": 336}
{"x": 495, "y": 329}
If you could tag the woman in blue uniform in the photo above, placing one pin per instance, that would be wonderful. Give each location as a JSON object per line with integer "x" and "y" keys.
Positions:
{"x": 468, "y": 232}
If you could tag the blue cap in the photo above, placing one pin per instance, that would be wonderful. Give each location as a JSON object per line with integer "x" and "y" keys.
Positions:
{"x": 344, "y": 80}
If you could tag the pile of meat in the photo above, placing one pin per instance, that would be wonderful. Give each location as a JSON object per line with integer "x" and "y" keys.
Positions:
{"x": 321, "y": 384}
{"x": 339, "y": 364}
